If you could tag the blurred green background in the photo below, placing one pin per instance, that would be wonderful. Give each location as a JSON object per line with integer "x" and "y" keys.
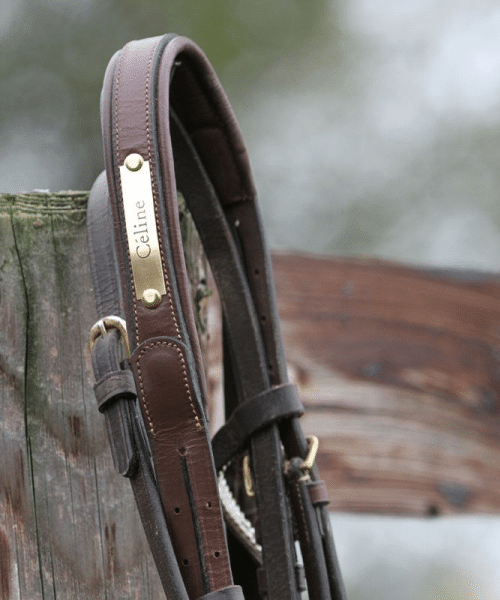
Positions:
{"x": 54, "y": 53}
{"x": 373, "y": 129}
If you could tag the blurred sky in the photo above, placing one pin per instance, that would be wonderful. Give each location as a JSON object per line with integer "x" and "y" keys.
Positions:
{"x": 373, "y": 129}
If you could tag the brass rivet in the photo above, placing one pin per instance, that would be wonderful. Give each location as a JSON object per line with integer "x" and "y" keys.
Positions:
{"x": 134, "y": 162}
{"x": 151, "y": 298}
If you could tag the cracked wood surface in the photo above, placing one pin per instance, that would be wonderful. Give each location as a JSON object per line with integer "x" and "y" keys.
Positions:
{"x": 398, "y": 368}
{"x": 68, "y": 521}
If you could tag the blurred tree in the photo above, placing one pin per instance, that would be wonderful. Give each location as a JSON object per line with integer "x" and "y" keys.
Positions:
{"x": 54, "y": 54}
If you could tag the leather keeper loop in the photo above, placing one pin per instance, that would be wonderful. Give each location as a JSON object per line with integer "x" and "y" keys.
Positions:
{"x": 318, "y": 493}
{"x": 274, "y": 405}
{"x": 118, "y": 385}
{"x": 233, "y": 592}
{"x": 121, "y": 437}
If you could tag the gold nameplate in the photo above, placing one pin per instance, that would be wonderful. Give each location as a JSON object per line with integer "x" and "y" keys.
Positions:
{"x": 140, "y": 222}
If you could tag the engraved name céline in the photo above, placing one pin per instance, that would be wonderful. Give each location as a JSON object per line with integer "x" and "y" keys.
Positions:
{"x": 140, "y": 232}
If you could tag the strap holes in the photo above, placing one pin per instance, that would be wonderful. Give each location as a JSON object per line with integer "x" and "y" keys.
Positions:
{"x": 177, "y": 510}
{"x": 182, "y": 451}
{"x": 208, "y": 505}
{"x": 256, "y": 271}
{"x": 237, "y": 223}
{"x": 217, "y": 554}
{"x": 263, "y": 318}
{"x": 185, "y": 562}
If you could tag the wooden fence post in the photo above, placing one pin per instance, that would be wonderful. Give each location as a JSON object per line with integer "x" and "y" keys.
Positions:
{"x": 398, "y": 368}
{"x": 68, "y": 526}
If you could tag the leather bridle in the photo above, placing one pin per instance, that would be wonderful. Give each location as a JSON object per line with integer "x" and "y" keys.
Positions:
{"x": 233, "y": 507}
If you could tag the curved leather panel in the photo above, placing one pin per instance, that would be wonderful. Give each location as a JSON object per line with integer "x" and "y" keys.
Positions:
{"x": 162, "y": 99}
{"x": 169, "y": 382}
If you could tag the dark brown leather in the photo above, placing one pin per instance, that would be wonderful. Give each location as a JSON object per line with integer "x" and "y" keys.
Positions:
{"x": 167, "y": 371}
{"x": 253, "y": 360}
{"x": 272, "y": 406}
{"x": 161, "y": 99}
{"x": 128, "y": 443}
{"x": 118, "y": 384}
{"x": 179, "y": 444}
{"x": 306, "y": 521}
{"x": 318, "y": 493}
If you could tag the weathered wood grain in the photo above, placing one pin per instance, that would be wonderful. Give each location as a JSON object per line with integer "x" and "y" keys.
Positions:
{"x": 397, "y": 366}
{"x": 18, "y": 549}
{"x": 71, "y": 528}
{"x": 399, "y": 371}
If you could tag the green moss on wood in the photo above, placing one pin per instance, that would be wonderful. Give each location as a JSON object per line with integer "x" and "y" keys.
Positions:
{"x": 65, "y": 498}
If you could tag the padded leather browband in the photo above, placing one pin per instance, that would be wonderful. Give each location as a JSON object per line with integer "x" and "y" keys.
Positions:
{"x": 167, "y": 126}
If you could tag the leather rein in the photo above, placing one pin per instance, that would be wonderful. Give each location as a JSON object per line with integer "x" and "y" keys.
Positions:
{"x": 222, "y": 516}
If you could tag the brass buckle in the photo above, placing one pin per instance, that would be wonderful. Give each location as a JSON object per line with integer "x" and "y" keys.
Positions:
{"x": 305, "y": 466}
{"x": 247, "y": 477}
{"x": 110, "y": 322}
{"x": 308, "y": 462}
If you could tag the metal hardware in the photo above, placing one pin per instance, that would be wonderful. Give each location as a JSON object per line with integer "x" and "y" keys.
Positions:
{"x": 140, "y": 223}
{"x": 151, "y": 298}
{"x": 247, "y": 477}
{"x": 111, "y": 322}
{"x": 237, "y": 520}
{"x": 134, "y": 162}
{"x": 308, "y": 462}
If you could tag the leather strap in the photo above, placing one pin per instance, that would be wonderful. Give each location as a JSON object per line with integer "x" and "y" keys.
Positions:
{"x": 234, "y": 243}
{"x": 113, "y": 386}
{"x": 131, "y": 456}
{"x": 165, "y": 349}
{"x": 115, "y": 394}
{"x": 269, "y": 407}
{"x": 318, "y": 493}
{"x": 230, "y": 593}
{"x": 162, "y": 100}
